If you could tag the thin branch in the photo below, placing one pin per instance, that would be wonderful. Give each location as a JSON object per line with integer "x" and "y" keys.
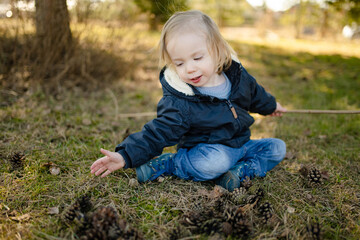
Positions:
{"x": 143, "y": 114}
{"x": 324, "y": 111}
{"x": 311, "y": 111}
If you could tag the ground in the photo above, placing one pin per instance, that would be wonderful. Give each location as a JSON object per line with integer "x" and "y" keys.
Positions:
{"x": 65, "y": 132}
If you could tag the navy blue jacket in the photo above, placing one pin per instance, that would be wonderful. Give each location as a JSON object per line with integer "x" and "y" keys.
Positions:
{"x": 186, "y": 117}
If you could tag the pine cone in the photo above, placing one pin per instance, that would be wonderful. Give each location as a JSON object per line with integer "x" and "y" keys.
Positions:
{"x": 211, "y": 226}
{"x": 227, "y": 197}
{"x": 78, "y": 210}
{"x": 252, "y": 199}
{"x": 176, "y": 233}
{"x": 114, "y": 232}
{"x": 219, "y": 205}
{"x": 72, "y": 212}
{"x": 85, "y": 203}
{"x": 233, "y": 215}
{"x": 227, "y": 228}
{"x": 103, "y": 218}
{"x": 17, "y": 161}
{"x": 246, "y": 183}
{"x": 132, "y": 234}
{"x": 194, "y": 218}
{"x": 265, "y": 211}
{"x": 238, "y": 195}
{"x": 241, "y": 229}
{"x": 92, "y": 234}
{"x": 104, "y": 224}
{"x": 260, "y": 193}
{"x": 314, "y": 176}
{"x": 304, "y": 170}
{"x": 238, "y": 221}
{"x": 314, "y": 231}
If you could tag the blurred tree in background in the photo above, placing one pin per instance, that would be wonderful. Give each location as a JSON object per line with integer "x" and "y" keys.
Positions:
{"x": 160, "y": 10}
{"x": 47, "y": 48}
{"x": 227, "y": 12}
{"x": 54, "y": 38}
{"x": 350, "y": 7}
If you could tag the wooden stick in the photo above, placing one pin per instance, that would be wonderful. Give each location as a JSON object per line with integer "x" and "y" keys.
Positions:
{"x": 142, "y": 114}
{"x": 324, "y": 111}
{"x": 311, "y": 111}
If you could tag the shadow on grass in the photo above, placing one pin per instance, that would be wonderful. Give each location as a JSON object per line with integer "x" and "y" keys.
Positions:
{"x": 86, "y": 67}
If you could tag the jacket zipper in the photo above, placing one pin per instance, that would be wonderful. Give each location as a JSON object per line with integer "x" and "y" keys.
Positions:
{"x": 232, "y": 109}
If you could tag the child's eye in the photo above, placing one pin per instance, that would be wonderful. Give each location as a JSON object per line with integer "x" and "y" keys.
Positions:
{"x": 178, "y": 64}
{"x": 198, "y": 58}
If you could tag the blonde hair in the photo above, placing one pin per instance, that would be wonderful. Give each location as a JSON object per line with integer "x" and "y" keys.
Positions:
{"x": 218, "y": 48}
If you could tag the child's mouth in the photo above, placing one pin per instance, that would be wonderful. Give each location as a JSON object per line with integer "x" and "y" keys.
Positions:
{"x": 196, "y": 79}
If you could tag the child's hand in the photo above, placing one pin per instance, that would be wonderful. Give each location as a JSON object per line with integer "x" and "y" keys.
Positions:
{"x": 278, "y": 111}
{"x": 111, "y": 162}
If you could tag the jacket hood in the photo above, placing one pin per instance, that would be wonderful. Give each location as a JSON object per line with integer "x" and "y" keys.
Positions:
{"x": 172, "y": 83}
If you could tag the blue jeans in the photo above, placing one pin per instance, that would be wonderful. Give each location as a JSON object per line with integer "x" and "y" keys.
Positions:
{"x": 209, "y": 161}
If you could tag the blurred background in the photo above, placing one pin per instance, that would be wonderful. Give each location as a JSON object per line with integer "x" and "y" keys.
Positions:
{"x": 82, "y": 42}
{"x": 70, "y": 69}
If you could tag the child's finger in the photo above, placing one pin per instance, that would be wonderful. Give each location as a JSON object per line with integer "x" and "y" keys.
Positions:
{"x": 106, "y": 173}
{"x": 98, "y": 163}
{"x": 105, "y": 152}
{"x": 95, "y": 169}
{"x": 98, "y": 172}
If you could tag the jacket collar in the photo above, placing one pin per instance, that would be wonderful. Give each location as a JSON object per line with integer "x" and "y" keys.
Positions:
{"x": 172, "y": 83}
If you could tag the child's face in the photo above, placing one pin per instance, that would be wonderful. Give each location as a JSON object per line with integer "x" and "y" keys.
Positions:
{"x": 191, "y": 58}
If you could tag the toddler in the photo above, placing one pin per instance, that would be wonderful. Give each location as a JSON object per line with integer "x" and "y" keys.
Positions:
{"x": 207, "y": 97}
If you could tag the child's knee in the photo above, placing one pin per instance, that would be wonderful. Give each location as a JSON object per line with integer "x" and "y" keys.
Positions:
{"x": 279, "y": 149}
{"x": 213, "y": 162}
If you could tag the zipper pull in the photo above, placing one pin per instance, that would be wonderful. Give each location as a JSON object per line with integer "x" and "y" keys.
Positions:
{"x": 232, "y": 109}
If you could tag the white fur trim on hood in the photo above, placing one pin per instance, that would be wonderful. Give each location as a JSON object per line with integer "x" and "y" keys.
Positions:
{"x": 173, "y": 79}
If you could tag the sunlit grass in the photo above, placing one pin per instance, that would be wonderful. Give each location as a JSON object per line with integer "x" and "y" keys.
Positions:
{"x": 70, "y": 128}
{"x": 317, "y": 47}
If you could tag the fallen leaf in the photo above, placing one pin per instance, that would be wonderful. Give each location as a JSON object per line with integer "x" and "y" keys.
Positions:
{"x": 310, "y": 197}
{"x": 58, "y": 108}
{"x": 217, "y": 191}
{"x": 54, "y": 170}
{"x": 322, "y": 136}
{"x": 133, "y": 182}
{"x": 325, "y": 175}
{"x": 307, "y": 132}
{"x": 160, "y": 179}
{"x": 290, "y": 209}
{"x": 24, "y": 217}
{"x": 53, "y": 210}
{"x": 290, "y": 155}
{"x": 86, "y": 121}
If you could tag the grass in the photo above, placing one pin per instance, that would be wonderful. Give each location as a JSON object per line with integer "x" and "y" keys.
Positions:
{"x": 69, "y": 129}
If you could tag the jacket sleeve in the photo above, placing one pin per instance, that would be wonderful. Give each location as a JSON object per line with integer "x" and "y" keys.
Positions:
{"x": 262, "y": 102}
{"x": 165, "y": 130}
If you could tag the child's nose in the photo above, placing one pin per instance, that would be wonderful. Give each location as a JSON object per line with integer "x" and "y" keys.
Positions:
{"x": 190, "y": 68}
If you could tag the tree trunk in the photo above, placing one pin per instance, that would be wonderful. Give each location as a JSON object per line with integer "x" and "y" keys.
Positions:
{"x": 54, "y": 39}
{"x": 324, "y": 23}
{"x": 298, "y": 20}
